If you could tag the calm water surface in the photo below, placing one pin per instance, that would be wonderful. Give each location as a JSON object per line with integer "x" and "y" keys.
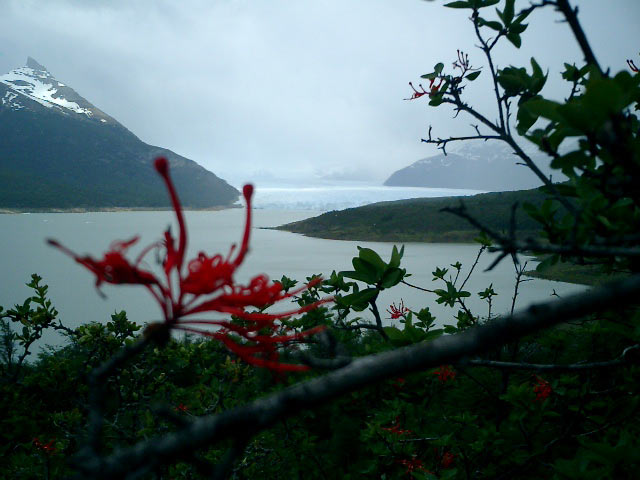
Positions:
{"x": 71, "y": 287}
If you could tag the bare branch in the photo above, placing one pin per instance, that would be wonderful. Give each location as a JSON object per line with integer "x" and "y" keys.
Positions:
{"x": 416, "y": 287}
{"x": 509, "y": 246}
{"x": 484, "y": 46}
{"x": 571, "y": 14}
{"x": 623, "y": 359}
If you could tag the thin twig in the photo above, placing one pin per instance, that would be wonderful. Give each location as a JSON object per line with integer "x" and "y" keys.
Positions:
{"x": 623, "y": 359}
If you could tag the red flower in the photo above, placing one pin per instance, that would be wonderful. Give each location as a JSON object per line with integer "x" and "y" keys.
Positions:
{"x": 398, "y": 383}
{"x": 47, "y": 448}
{"x": 397, "y": 311}
{"x": 542, "y": 389}
{"x": 431, "y": 92}
{"x": 413, "y": 464}
{"x": 447, "y": 460}
{"x": 181, "y": 407}
{"x": 207, "y": 285}
{"x": 445, "y": 373}
{"x": 396, "y": 430}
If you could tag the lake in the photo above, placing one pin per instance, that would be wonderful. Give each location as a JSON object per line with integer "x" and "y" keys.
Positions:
{"x": 272, "y": 252}
{"x": 342, "y": 195}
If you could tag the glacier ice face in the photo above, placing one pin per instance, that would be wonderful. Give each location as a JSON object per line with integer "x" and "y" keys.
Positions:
{"x": 339, "y": 197}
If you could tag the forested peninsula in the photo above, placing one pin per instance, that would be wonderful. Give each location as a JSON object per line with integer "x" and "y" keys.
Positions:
{"x": 422, "y": 219}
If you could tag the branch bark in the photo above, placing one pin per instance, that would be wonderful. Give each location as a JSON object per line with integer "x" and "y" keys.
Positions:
{"x": 621, "y": 360}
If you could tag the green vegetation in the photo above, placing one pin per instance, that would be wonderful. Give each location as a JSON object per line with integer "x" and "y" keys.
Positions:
{"x": 436, "y": 423}
{"x": 592, "y": 275}
{"x": 421, "y": 220}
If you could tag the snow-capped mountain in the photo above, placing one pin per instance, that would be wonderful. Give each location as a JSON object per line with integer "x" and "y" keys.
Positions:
{"x": 488, "y": 166}
{"x": 34, "y": 83}
{"x": 57, "y": 150}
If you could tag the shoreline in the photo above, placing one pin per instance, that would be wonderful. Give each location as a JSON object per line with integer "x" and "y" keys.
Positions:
{"x": 19, "y": 211}
{"x": 454, "y": 236}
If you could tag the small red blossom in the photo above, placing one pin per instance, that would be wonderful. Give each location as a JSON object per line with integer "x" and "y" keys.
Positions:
{"x": 542, "y": 389}
{"x": 395, "y": 428}
{"x": 206, "y": 285}
{"x": 181, "y": 407}
{"x": 433, "y": 89}
{"x": 632, "y": 66}
{"x": 47, "y": 448}
{"x": 445, "y": 373}
{"x": 412, "y": 465}
{"x": 447, "y": 460}
{"x": 397, "y": 311}
{"x": 398, "y": 383}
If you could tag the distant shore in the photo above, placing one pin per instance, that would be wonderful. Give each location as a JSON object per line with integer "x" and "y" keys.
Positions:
{"x": 15, "y": 211}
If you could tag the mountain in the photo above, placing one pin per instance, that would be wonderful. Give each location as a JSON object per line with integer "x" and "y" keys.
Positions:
{"x": 489, "y": 166}
{"x": 57, "y": 150}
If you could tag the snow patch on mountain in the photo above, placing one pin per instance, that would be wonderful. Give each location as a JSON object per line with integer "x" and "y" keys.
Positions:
{"x": 39, "y": 85}
{"x": 9, "y": 101}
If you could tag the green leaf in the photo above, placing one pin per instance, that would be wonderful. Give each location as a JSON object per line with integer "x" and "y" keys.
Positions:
{"x": 513, "y": 80}
{"x": 508, "y": 12}
{"x": 543, "y": 108}
{"x": 438, "y": 68}
{"x": 358, "y": 299}
{"x": 395, "y": 335}
{"x": 436, "y": 100}
{"x": 361, "y": 276}
{"x": 526, "y": 119}
{"x": 518, "y": 28}
{"x": 537, "y": 71}
{"x": 522, "y": 16}
{"x": 396, "y": 256}
{"x": 433, "y": 334}
{"x": 459, "y": 4}
{"x": 497, "y": 26}
{"x": 514, "y": 38}
{"x": 450, "y": 329}
{"x": 373, "y": 258}
{"x": 439, "y": 273}
{"x": 392, "y": 277}
{"x": 365, "y": 267}
{"x": 473, "y": 75}
{"x": 488, "y": 3}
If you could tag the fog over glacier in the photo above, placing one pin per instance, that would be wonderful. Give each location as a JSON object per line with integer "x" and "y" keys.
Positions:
{"x": 339, "y": 197}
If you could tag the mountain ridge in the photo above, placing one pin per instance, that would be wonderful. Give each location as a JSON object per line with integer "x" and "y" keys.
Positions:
{"x": 487, "y": 166}
{"x": 58, "y": 151}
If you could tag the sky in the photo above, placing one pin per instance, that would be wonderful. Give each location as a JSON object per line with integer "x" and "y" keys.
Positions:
{"x": 282, "y": 91}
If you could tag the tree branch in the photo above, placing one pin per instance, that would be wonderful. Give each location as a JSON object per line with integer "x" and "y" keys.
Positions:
{"x": 510, "y": 246}
{"x": 572, "y": 19}
{"x": 623, "y": 359}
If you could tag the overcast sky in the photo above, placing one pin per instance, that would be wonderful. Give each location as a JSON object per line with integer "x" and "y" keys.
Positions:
{"x": 285, "y": 88}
